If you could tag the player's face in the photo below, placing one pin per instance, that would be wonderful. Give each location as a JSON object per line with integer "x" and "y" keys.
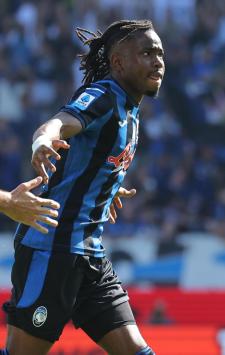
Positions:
{"x": 142, "y": 65}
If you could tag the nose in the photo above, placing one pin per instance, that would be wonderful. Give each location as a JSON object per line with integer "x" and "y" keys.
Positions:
{"x": 158, "y": 62}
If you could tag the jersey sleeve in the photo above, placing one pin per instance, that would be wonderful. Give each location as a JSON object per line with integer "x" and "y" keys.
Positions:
{"x": 89, "y": 104}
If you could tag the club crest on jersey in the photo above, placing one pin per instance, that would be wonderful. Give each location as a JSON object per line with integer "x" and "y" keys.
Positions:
{"x": 84, "y": 100}
{"x": 40, "y": 316}
{"x": 124, "y": 159}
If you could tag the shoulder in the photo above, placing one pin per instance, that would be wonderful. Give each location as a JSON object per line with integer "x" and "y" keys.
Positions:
{"x": 91, "y": 95}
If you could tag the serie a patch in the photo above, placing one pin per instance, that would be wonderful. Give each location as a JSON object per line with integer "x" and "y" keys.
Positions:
{"x": 83, "y": 101}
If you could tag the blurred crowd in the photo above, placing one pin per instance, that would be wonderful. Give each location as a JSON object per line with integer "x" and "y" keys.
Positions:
{"x": 179, "y": 169}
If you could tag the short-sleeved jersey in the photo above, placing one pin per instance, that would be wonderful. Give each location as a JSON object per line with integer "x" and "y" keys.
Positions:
{"x": 90, "y": 173}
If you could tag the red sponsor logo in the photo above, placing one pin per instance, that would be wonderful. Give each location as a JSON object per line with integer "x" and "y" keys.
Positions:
{"x": 124, "y": 159}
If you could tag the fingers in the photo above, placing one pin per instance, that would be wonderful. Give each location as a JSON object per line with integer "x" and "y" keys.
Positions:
{"x": 48, "y": 151}
{"x": 112, "y": 214}
{"x": 111, "y": 219}
{"x": 40, "y": 169}
{"x": 30, "y": 185}
{"x": 131, "y": 193}
{"x": 41, "y": 162}
{"x": 38, "y": 211}
{"x": 43, "y": 150}
{"x": 118, "y": 202}
{"x": 43, "y": 158}
{"x": 48, "y": 203}
{"x": 59, "y": 143}
{"x": 42, "y": 215}
{"x": 40, "y": 158}
{"x": 47, "y": 220}
{"x": 123, "y": 193}
{"x": 126, "y": 193}
{"x": 39, "y": 227}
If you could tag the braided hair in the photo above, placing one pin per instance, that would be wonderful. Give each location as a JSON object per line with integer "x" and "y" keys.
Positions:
{"x": 95, "y": 64}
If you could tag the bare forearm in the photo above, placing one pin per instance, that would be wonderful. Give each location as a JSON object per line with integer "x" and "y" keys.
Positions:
{"x": 51, "y": 129}
{"x": 61, "y": 126}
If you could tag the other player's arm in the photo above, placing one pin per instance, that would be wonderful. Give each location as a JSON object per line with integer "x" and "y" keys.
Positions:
{"x": 49, "y": 138}
{"x": 24, "y": 207}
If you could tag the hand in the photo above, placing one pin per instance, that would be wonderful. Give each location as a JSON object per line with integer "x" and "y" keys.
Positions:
{"x": 25, "y": 207}
{"x": 117, "y": 201}
{"x": 40, "y": 159}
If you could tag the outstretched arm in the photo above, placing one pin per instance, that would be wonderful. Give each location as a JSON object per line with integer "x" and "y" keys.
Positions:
{"x": 49, "y": 138}
{"x": 23, "y": 206}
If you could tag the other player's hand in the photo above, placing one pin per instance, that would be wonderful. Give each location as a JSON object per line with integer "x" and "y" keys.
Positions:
{"x": 40, "y": 158}
{"x": 25, "y": 207}
{"x": 122, "y": 192}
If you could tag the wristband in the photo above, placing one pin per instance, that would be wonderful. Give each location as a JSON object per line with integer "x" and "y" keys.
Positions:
{"x": 41, "y": 140}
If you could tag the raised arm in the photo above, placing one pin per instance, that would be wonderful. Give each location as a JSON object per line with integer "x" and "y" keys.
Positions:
{"x": 49, "y": 138}
{"x": 24, "y": 207}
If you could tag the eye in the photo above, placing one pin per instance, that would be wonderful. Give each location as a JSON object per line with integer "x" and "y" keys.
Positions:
{"x": 153, "y": 51}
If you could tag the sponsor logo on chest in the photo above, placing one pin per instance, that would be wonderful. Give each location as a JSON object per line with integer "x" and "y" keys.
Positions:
{"x": 124, "y": 159}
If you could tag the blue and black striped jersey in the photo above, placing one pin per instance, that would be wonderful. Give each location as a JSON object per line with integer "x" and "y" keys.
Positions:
{"x": 90, "y": 173}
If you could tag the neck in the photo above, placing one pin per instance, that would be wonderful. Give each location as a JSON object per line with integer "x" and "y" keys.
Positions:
{"x": 136, "y": 97}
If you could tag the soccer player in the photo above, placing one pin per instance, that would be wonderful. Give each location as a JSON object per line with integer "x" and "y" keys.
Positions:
{"x": 67, "y": 276}
{"x": 24, "y": 207}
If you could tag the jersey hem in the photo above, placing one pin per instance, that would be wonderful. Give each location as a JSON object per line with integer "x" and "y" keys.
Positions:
{"x": 63, "y": 249}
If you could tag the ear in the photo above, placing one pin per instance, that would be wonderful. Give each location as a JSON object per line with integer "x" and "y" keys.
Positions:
{"x": 117, "y": 62}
